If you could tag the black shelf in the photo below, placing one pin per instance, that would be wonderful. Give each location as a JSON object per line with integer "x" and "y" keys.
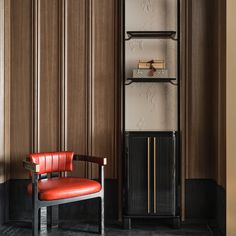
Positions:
{"x": 151, "y": 34}
{"x": 150, "y": 80}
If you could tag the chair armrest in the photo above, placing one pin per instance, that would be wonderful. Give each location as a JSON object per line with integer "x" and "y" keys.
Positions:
{"x": 102, "y": 161}
{"x": 28, "y": 165}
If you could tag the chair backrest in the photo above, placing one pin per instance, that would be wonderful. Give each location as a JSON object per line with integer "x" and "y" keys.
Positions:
{"x": 53, "y": 161}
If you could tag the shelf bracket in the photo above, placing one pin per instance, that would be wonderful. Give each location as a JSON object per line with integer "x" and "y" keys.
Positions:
{"x": 127, "y": 39}
{"x": 130, "y": 82}
{"x": 175, "y": 84}
{"x": 173, "y": 38}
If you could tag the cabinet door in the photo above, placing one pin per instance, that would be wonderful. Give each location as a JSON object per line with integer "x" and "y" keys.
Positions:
{"x": 137, "y": 176}
{"x": 164, "y": 171}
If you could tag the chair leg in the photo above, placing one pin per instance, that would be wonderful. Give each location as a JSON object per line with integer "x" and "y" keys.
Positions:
{"x": 43, "y": 219}
{"x": 35, "y": 222}
{"x": 53, "y": 215}
{"x": 101, "y": 213}
{"x": 39, "y": 219}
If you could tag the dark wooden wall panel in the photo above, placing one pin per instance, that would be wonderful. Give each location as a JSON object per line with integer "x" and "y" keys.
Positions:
{"x": 49, "y": 25}
{"x": 221, "y": 30}
{"x": 213, "y": 74}
{"x": 103, "y": 82}
{"x": 205, "y": 86}
{"x": 21, "y": 85}
{"x": 77, "y": 80}
{"x": 202, "y": 91}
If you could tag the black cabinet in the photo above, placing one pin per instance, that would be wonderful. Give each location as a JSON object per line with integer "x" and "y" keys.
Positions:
{"x": 151, "y": 183}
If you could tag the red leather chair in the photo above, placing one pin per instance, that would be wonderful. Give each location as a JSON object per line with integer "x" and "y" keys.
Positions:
{"x": 49, "y": 191}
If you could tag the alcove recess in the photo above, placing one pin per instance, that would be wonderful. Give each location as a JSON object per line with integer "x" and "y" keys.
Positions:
{"x": 151, "y": 106}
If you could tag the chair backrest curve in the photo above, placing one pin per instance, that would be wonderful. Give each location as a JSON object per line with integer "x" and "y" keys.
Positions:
{"x": 53, "y": 161}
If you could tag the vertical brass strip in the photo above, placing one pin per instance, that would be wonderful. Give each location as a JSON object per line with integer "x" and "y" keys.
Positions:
{"x": 36, "y": 75}
{"x": 89, "y": 65}
{"x": 2, "y": 92}
{"x": 7, "y": 74}
{"x": 90, "y": 71}
{"x": 148, "y": 171}
{"x": 63, "y": 73}
{"x": 38, "y": 71}
{"x": 155, "y": 176}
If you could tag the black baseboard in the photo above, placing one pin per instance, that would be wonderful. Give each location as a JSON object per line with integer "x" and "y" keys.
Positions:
{"x": 4, "y": 202}
{"x": 221, "y": 209}
{"x": 200, "y": 199}
{"x": 20, "y": 204}
{"x": 205, "y": 199}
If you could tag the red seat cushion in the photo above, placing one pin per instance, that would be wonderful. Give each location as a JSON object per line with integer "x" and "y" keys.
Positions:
{"x": 59, "y": 188}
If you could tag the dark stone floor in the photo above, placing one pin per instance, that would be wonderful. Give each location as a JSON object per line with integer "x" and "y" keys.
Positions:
{"x": 90, "y": 229}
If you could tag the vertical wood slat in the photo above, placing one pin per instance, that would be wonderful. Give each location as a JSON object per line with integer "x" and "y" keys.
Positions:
{"x": 103, "y": 84}
{"x": 20, "y": 85}
{"x": 49, "y": 74}
{"x": 76, "y": 64}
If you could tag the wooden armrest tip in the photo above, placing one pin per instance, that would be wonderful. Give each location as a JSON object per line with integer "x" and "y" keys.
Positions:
{"x": 105, "y": 161}
{"x": 37, "y": 168}
{"x": 31, "y": 166}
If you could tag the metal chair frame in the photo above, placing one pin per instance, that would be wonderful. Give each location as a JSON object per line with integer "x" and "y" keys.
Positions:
{"x": 38, "y": 204}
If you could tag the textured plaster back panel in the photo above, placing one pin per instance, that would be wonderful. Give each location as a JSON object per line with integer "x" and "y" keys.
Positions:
{"x": 150, "y": 106}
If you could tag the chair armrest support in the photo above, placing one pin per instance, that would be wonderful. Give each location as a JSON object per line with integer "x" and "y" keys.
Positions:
{"x": 34, "y": 168}
{"x": 102, "y": 161}
{"x": 28, "y": 165}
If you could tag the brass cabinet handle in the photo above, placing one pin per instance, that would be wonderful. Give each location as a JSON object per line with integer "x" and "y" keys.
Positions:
{"x": 155, "y": 175}
{"x": 148, "y": 170}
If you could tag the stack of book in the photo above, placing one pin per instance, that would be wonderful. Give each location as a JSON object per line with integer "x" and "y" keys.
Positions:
{"x": 157, "y": 64}
{"x": 150, "y": 69}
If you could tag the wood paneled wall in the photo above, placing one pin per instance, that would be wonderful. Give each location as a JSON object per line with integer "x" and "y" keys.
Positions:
{"x": 205, "y": 89}
{"x": 65, "y": 80}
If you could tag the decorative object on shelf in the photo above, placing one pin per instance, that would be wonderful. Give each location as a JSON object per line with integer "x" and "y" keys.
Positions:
{"x": 157, "y": 64}
{"x": 149, "y": 73}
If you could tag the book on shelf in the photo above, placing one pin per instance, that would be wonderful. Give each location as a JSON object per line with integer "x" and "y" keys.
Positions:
{"x": 157, "y": 64}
